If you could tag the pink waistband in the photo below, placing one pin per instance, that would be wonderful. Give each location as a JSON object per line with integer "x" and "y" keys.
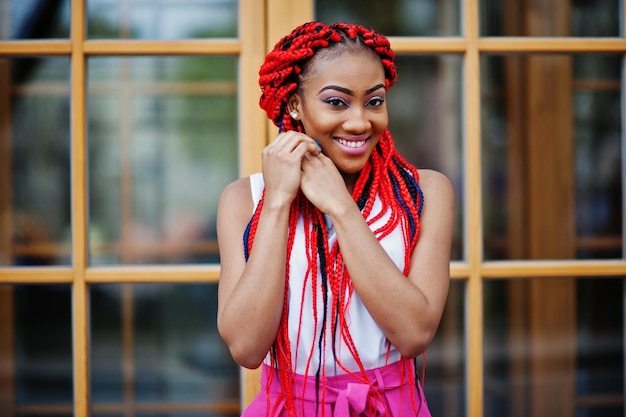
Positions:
{"x": 348, "y": 392}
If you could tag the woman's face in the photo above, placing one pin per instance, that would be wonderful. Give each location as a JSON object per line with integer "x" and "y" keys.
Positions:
{"x": 342, "y": 105}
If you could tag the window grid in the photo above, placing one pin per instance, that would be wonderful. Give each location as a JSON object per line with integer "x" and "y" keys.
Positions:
{"x": 80, "y": 275}
{"x": 474, "y": 270}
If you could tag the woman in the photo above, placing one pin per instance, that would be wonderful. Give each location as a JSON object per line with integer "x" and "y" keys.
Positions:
{"x": 334, "y": 259}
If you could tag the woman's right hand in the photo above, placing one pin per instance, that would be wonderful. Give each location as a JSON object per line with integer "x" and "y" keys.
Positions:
{"x": 282, "y": 166}
{"x": 251, "y": 292}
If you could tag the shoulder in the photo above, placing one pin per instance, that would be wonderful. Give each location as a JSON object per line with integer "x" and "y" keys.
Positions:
{"x": 239, "y": 187}
{"x": 434, "y": 182}
{"x": 236, "y": 197}
{"x": 437, "y": 188}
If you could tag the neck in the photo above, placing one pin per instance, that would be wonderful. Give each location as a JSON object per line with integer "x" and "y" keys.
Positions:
{"x": 350, "y": 180}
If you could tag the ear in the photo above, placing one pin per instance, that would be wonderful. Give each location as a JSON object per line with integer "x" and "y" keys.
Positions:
{"x": 294, "y": 104}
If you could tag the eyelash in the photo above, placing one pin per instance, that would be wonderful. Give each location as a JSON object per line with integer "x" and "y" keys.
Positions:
{"x": 335, "y": 101}
{"x": 380, "y": 101}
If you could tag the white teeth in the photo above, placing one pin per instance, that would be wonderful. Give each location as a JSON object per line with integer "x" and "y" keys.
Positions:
{"x": 351, "y": 144}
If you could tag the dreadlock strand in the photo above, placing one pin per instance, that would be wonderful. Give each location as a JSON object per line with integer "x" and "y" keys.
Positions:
{"x": 311, "y": 272}
{"x": 284, "y": 345}
{"x": 312, "y": 269}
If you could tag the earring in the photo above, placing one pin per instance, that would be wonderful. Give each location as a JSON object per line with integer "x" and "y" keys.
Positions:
{"x": 294, "y": 115}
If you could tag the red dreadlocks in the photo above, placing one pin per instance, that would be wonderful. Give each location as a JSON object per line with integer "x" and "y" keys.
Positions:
{"x": 386, "y": 175}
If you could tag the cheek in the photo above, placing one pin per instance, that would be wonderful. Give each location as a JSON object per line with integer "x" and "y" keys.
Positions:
{"x": 381, "y": 121}
{"x": 320, "y": 123}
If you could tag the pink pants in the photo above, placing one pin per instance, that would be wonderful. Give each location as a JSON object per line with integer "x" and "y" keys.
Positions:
{"x": 345, "y": 395}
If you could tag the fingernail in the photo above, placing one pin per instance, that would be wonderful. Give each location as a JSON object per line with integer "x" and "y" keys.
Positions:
{"x": 318, "y": 146}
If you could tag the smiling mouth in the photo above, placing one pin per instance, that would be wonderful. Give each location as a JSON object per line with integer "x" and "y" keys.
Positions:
{"x": 351, "y": 143}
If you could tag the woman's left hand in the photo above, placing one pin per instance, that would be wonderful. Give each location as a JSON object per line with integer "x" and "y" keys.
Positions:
{"x": 322, "y": 184}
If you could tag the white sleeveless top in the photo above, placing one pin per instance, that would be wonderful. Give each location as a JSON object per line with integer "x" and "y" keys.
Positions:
{"x": 370, "y": 341}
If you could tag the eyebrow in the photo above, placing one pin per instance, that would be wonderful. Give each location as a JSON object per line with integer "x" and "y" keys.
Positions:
{"x": 350, "y": 92}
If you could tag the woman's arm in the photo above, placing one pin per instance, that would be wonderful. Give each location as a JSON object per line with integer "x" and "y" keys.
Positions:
{"x": 407, "y": 310}
{"x": 250, "y": 296}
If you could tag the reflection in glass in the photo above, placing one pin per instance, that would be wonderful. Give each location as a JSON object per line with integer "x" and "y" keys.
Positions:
{"x": 36, "y": 168}
{"x": 162, "y": 146}
{"x": 39, "y": 353}
{"x": 34, "y": 19}
{"x": 425, "y": 120}
{"x": 395, "y": 17}
{"x": 147, "y": 19}
{"x": 444, "y": 382}
{"x": 552, "y": 157}
{"x": 155, "y": 344}
{"x": 595, "y": 18}
{"x": 554, "y": 347}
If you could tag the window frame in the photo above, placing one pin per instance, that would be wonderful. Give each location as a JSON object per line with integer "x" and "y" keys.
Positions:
{"x": 248, "y": 47}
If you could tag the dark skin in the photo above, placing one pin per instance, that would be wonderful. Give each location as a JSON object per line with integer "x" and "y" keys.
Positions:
{"x": 341, "y": 104}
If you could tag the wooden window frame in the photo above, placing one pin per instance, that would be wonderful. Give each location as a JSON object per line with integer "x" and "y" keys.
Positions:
{"x": 249, "y": 48}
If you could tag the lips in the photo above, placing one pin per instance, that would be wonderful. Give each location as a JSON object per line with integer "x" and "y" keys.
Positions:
{"x": 353, "y": 146}
{"x": 351, "y": 143}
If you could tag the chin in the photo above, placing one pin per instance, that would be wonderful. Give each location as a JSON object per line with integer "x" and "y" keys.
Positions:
{"x": 352, "y": 169}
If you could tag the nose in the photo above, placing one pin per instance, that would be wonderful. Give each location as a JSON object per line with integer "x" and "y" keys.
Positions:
{"x": 357, "y": 120}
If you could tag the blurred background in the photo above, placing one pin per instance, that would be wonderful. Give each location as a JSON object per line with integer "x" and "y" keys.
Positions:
{"x": 122, "y": 120}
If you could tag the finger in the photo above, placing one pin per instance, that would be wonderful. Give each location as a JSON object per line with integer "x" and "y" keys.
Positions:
{"x": 283, "y": 142}
{"x": 306, "y": 148}
{"x": 291, "y": 141}
{"x": 319, "y": 147}
{"x": 312, "y": 163}
{"x": 283, "y": 148}
{"x": 312, "y": 146}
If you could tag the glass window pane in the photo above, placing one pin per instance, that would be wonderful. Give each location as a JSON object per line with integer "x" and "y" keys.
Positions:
{"x": 157, "y": 345}
{"x": 162, "y": 146}
{"x": 36, "y": 173}
{"x": 164, "y": 19}
{"x": 444, "y": 383}
{"x": 36, "y": 347}
{"x": 34, "y": 19}
{"x": 552, "y": 167}
{"x": 554, "y": 347}
{"x": 395, "y": 17}
{"x": 425, "y": 121}
{"x": 595, "y": 18}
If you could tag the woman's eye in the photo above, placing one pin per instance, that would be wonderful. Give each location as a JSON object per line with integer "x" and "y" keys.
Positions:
{"x": 375, "y": 102}
{"x": 334, "y": 101}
